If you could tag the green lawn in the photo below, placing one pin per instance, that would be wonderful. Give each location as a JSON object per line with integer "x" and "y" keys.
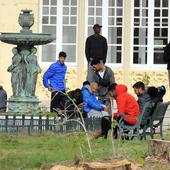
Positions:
{"x": 33, "y": 152}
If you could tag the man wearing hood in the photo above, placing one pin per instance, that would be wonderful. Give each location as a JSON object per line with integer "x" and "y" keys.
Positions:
{"x": 91, "y": 105}
{"x": 54, "y": 80}
{"x": 126, "y": 104}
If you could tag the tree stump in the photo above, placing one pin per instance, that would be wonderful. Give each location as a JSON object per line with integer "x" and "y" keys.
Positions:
{"x": 113, "y": 165}
{"x": 159, "y": 149}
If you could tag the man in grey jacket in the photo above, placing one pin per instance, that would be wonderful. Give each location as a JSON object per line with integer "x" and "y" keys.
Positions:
{"x": 3, "y": 99}
{"x": 104, "y": 77}
{"x": 143, "y": 97}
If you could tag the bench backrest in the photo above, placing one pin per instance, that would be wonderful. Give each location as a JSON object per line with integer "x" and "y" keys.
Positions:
{"x": 159, "y": 112}
{"x": 145, "y": 114}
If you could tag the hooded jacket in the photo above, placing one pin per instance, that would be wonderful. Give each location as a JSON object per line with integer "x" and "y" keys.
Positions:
{"x": 90, "y": 101}
{"x": 126, "y": 104}
{"x": 55, "y": 75}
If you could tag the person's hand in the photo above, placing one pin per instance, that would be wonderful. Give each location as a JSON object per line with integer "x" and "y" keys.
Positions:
{"x": 50, "y": 89}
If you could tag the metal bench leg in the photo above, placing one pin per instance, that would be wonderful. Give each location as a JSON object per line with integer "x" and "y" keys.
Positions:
{"x": 161, "y": 132}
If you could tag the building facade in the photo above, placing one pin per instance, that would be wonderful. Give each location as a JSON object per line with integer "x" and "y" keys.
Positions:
{"x": 136, "y": 31}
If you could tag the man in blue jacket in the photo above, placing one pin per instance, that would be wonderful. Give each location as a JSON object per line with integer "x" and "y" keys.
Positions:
{"x": 91, "y": 105}
{"x": 54, "y": 80}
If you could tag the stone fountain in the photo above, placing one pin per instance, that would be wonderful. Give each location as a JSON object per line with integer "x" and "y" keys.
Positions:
{"x": 24, "y": 68}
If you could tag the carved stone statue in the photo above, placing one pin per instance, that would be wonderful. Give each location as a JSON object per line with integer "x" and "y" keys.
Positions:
{"x": 16, "y": 72}
{"x": 33, "y": 69}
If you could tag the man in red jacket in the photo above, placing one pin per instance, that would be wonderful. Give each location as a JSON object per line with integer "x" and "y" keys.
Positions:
{"x": 126, "y": 104}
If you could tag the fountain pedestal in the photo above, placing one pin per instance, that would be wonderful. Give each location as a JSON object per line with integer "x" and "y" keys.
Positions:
{"x": 24, "y": 68}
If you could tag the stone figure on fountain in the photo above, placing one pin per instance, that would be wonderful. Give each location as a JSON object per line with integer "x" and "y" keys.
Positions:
{"x": 16, "y": 72}
{"x": 33, "y": 69}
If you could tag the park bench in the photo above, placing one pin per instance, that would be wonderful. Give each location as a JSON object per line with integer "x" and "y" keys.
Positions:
{"x": 139, "y": 129}
{"x": 157, "y": 119}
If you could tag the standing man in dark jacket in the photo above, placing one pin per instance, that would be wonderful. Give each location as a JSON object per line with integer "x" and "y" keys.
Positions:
{"x": 54, "y": 80}
{"x": 167, "y": 59}
{"x": 3, "y": 99}
{"x": 104, "y": 77}
{"x": 96, "y": 48}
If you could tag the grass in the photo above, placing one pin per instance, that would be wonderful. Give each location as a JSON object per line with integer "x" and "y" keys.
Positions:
{"x": 33, "y": 152}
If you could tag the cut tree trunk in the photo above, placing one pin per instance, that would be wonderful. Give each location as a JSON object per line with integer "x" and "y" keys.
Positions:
{"x": 159, "y": 149}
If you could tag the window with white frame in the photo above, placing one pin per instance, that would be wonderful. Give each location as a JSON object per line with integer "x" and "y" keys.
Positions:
{"x": 59, "y": 17}
{"x": 140, "y": 31}
{"x": 109, "y": 14}
{"x": 150, "y": 31}
{"x": 160, "y": 29}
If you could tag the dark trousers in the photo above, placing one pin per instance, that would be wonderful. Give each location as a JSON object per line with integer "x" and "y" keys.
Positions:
{"x": 56, "y": 101}
{"x": 106, "y": 126}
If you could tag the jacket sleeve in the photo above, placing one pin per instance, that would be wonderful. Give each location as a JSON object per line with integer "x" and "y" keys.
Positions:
{"x": 47, "y": 75}
{"x": 112, "y": 77}
{"x": 105, "y": 47}
{"x": 92, "y": 101}
{"x": 87, "y": 50}
{"x": 121, "y": 105}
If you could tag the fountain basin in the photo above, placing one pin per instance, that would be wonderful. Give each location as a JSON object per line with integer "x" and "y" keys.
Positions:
{"x": 29, "y": 39}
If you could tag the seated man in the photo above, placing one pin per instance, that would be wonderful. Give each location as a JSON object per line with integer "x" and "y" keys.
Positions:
{"x": 72, "y": 96}
{"x": 91, "y": 105}
{"x": 104, "y": 77}
{"x": 143, "y": 97}
{"x": 126, "y": 104}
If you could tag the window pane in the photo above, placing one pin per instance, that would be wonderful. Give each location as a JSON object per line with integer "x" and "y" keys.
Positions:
{"x": 69, "y": 34}
{"x": 53, "y": 10}
{"x": 99, "y": 11}
{"x": 71, "y": 52}
{"x": 45, "y": 2}
{"x": 164, "y": 3}
{"x": 158, "y": 56}
{"x": 119, "y": 2}
{"x": 137, "y": 3}
{"x": 119, "y": 12}
{"x": 111, "y": 2}
{"x": 165, "y": 13}
{"x": 65, "y": 20}
{"x": 73, "y": 20}
{"x": 65, "y": 2}
{"x": 157, "y": 13}
{"x": 111, "y": 12}
{"x": 91, "y": 21}
{"x": 49, "y": 30}
{"x": 99, "y": 20}
{"x": 114, "y": 55}
{"x": 54, "y": 2}
{"x": 53, "y": 20}
{"x": 91, "y": 2}
{"x": 74, "y": 2}
{"x": 73, "y": 11}
{"x": 45, "y": 20}
{"x": 98, "y": 2}
{"x": 91, "y": 11}
{"x": 66, "y": 10}
{"x": 157, "y": 3}
{"x": 45, "y": 10}
{"x": 140, "y": 55}
{"x": 48, "y": 53}
{"x": 111, "y": 21}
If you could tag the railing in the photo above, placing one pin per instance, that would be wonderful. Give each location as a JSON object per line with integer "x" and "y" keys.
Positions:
{"x": 30, "y": 125}
{"x": 38, "y": 124}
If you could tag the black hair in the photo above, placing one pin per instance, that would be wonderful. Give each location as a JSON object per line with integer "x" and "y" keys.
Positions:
{"x": 62, "y": 54}
{"x": 86, "y": 83}
{"x": 139, "y": 85}
{"x": 152, "y": 91}
{"x": 95, "y": 61}
{"x": 112, "y": 87}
